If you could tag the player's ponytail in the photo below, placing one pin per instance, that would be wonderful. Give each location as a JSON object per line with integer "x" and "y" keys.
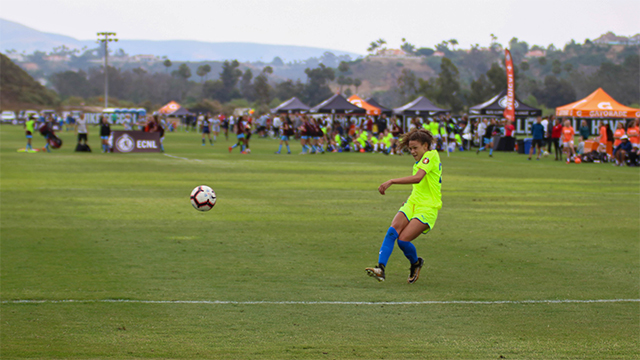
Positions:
{"x": 422, "y": 136}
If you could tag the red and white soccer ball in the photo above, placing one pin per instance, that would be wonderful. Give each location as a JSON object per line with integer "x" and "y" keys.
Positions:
{"x": 203, "y": 198}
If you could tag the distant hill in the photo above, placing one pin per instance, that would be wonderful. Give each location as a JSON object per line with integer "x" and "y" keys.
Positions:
{"x": 24, "y": 39}
{"x": 18, "y": 88}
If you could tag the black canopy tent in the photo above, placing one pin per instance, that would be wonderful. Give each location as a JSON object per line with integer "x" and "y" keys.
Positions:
{"x": 420, "y": 107}
{"x": 180, "y": 112}
{"x": 496, "y": 105}
{"x": 337, "y": 104}
{"x": 383, "y": 109}
{"x": 293, "y": 105}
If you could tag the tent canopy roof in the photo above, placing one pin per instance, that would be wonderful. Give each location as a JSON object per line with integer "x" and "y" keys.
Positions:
{"x": 497, "y": 104}
{"x": 419, "y": 106}
{"x": 383, "y": 109}
{"x": 337, "y": 104}
{"x": 172, "y": 108}
{"x": 357, "y": 101}
{"x": 292, "y": 105}
{"x": 598, "y": 104}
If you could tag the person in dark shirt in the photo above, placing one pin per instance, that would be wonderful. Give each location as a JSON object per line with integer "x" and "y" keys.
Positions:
{"x": 487, "y": 138}
{"x": 622, "y": 151}
{"x": 556, "y": 134}
{"x": 584, "y": 130}
{"x": 105, "y": 132}
{"x": 538, "y": 137}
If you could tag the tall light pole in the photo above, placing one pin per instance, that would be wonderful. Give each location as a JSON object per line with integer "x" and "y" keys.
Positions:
{"x": 106, "y": 62}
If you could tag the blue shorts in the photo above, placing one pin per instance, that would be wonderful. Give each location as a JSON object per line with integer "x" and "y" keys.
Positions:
{"x": 317, "y": 138}
{"x": 304, "y": 137}
{"x": 284, "y": 138}
{"x": 205, "y": 130}
{"x": 486, "y": 140}
{"x": 104, "y": 137}
{"x": 240, "y": 136}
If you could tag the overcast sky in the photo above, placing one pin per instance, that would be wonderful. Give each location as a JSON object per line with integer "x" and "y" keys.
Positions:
{"x": 348, "y": 25}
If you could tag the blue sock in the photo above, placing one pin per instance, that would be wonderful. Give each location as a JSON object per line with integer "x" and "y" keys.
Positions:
{"x": 288, "y": 150}
{"x": 409, "y": 250}
{"x": 481, "y": 149}
{"x": 304, "y": 148}
{"x": 243, "y": 148}
{"x": 387, "y": 246}
{"x": 280, "y": 148}
{"x": 234, "y": 146}
{"x": 490, "y": 151}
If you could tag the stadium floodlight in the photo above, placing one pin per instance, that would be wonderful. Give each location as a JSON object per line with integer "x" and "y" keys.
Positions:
{"x": 108, "y": 36}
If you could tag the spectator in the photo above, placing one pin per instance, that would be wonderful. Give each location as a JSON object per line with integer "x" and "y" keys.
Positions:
{"x": 487, "y": 139}
{"x": 81, "y": 129}
{"x": 633, "y": 132}
{"x": 622, "y": 151}
{"x": 617, "y": 135}
{"x": 537, "y": 130}
{"x": 556, "y": 134}
{"x": 602, "y": 139}
{"x": 547, "y": 123}
{"x": 584, "y": 130}
{"x": 482, "y": 127}
{"x": 128, "y": 122}
{"x": 567, "y": 140}
{"x": 510, "y": 141}
{"x": 105, "y": 132}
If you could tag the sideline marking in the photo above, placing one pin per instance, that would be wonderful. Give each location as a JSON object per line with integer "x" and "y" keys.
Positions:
{"x": 225, "y": 302}
{"x": 181, "y": 158}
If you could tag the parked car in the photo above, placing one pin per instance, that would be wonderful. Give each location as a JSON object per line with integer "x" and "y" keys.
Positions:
{"x": 9, "y": 117}
{"x": 24, "y": 115}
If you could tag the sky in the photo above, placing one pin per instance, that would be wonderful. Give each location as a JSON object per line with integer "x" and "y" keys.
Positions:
{"x": 347, "y": 25}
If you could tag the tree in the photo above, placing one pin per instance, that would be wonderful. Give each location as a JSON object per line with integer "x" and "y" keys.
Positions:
{"x": 555, "y": 92}
{"x": 317, "y": 88}
{"x": 453, "y": 43}
{"x": 357, "y": 82}
{"x": 229, "y": 76}
{"x": 372, "y": 47}
{"x": 407, "y": 86}
{"x": 524, "y": 66}
{"x": 202, "y": 71}
{"x": 341, "y": 82}
{"x": 183, "y": 72}
{"x": 288, "y": 89}
{"x": 167, "y": 63}
{"x": 277, "y": 61}
{"x": 448, "y": 83}
{"x": 262, "y": 88}
{"x": 70, "y": 83}
{"x": 407, "y": 47}
{"x": 343, "y": 67}
{"x": 425, "y": 51}
{"x": 246, "y": 88}
{"x": 481, "y": 90}
{"x": 497, "y": 76}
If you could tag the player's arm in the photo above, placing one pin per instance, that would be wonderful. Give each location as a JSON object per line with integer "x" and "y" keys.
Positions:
{"x": 413, "y": 179}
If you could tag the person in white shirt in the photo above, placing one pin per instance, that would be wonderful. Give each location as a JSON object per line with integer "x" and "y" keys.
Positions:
{"x": 215, "y": 126}
{"x": 277, "y": 123}
{"x": 127, "y": 122}
{"x": 81, "y": 129}
{"x": 482, "y": 128}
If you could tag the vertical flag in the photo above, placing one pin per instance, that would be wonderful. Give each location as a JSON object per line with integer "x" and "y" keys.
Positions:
{"x": 509, "y": 111}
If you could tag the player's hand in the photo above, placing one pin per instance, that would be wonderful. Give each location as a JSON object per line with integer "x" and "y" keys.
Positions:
{"x": 385, "y": 185}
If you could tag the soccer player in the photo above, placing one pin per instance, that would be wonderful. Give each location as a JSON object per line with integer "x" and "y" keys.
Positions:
{"x": 286, "y": 129}
{"x": 105, "y": 132}
{"x": 487, "y": 138}
{"x": 418, "y": 214}
{"x": 567, "y": 140}
{"x": 29, "y": 127}
{"x": 205, "y": 126}
{"x": 239, "y": 129}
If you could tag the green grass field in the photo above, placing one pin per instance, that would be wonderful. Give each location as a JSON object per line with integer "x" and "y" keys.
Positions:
{"x": 296, "y": 232}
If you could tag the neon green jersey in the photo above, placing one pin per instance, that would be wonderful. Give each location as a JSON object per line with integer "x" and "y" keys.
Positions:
{"x": 427, "y": 191}
{"x": 337, "y": 139}
{"x": 443, "y": 130}
{"x": 434, "y": 127}
{"x": 30, "y": 125}
{"x": 387, "y": 139}
{"x": 374, "y": 140}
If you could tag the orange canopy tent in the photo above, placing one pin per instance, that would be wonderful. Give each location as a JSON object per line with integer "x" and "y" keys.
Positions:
{"x": 357, "y": 101}
{"x": 170, "y": 108}
{"x": 598, "y": 104}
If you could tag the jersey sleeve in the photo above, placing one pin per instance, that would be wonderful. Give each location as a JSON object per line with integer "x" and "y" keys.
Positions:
{"x": 426, "y": 164}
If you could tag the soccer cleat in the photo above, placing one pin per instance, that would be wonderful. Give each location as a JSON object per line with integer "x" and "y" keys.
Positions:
{"x": 414, "y": 271}
{"x": 230, "y": 148}
{"x": 376, "y": 272}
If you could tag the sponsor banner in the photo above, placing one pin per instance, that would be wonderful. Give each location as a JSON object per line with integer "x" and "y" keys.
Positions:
{"x": 523, "y": 126}
{"x": 135, "y": 141}
{"x": 509, "y": 108}
{"x": 604, "y": 113}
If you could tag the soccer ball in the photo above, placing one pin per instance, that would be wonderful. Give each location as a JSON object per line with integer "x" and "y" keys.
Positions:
{"x": 203, "y": 198}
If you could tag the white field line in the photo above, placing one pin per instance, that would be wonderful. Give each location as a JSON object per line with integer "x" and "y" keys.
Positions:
{"x": 226, "y": 302}
{"x": 181, "y": 158}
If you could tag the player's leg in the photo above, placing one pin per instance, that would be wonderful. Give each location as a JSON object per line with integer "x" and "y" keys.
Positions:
{"x": 397, "y": 225}
{"x": 408, "y": 234}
